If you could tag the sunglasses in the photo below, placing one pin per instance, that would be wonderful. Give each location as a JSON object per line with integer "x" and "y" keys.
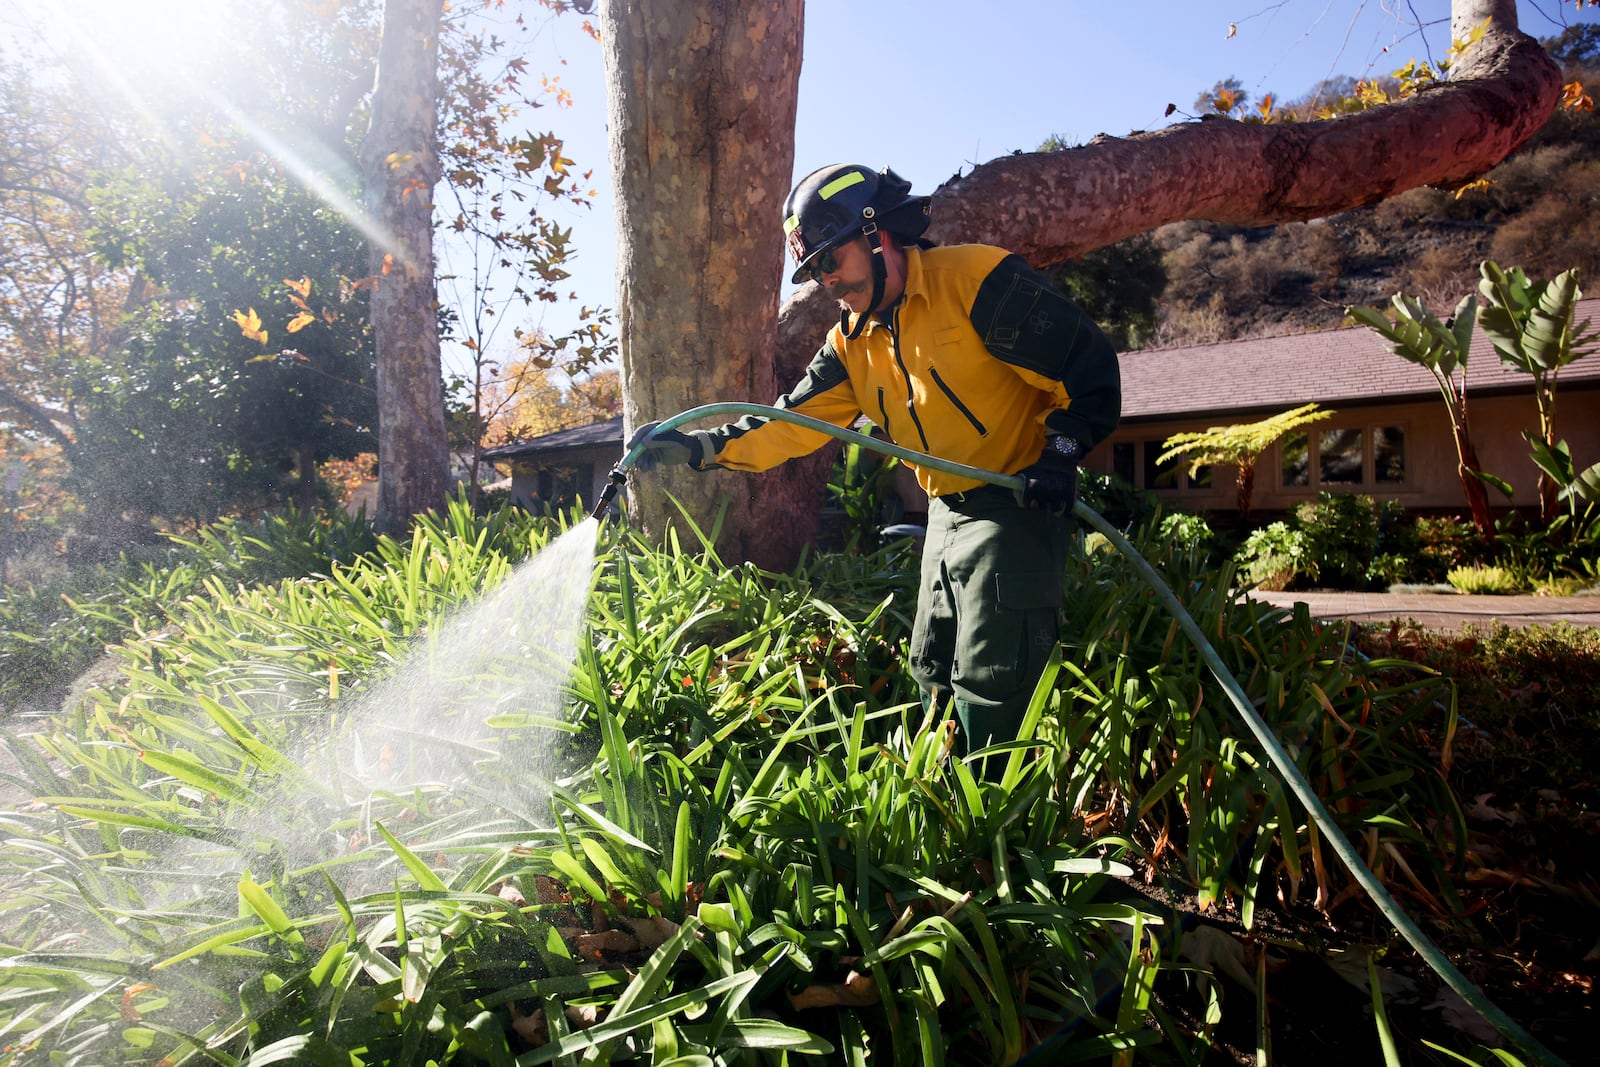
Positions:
{"x": 825, "y": 263}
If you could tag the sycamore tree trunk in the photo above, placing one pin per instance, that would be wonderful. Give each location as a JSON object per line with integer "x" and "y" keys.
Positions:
{"x": 674, "y": 104}
{"x": 400, "y": 165}
{"x": 702, "y": 104}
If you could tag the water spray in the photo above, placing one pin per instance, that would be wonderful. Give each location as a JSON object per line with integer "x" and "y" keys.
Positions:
{"x": 1276, "y": 753}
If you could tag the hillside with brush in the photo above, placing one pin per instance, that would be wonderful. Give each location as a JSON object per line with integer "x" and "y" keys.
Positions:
{"x": 1199, "y": 282}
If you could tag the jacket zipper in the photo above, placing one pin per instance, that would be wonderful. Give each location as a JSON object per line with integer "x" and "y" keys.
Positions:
{"x": 883, "y": 410}
{"x": 911, "y": 409}
{"x": 956, "y": 400}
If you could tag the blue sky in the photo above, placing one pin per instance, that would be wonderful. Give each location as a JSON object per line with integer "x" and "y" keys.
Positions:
{"x": 932, "y": 87}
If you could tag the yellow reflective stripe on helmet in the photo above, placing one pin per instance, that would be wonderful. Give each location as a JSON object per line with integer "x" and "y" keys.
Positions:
{"x": 791, "y": 224}
{"x": 845, "y": 181}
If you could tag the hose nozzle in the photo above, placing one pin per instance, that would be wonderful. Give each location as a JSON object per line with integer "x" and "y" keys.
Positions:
{"x": 619, "y": 478}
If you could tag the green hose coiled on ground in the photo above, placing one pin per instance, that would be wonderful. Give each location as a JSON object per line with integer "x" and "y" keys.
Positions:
{"x": 1279, "y": 758}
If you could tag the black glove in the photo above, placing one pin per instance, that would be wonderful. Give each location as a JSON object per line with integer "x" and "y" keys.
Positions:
{"x": 1051, "y": 484}
{"x": 668, "y": 448}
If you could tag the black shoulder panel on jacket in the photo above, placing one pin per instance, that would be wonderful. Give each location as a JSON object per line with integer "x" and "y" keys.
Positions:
{"x": 825, "y": 372}
{"x": 1029, "y": 323}
{"x": 1025, "y": 320}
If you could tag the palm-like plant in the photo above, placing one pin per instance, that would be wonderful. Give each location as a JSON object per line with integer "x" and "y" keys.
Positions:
{"x": 1416, "y": 334}
{"x": 1531, "y": 326}
{"x": 1239, "y": 445}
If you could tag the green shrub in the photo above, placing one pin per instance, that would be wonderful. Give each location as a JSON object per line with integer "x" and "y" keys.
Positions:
{"x": 1275, "y": 556}
{"x": 1343, "y": 532}
{"x": 1389, "y": 569}
{"x": 1536, "y": 551}
{"x": 1483, "y": 579}
{"x": 1123, "y": 505}
{"x": 50, "y": 634}
{"x": 1434, "y": 545}
{"x": 1191, "y": 532}
{"x": 755, "y": 814}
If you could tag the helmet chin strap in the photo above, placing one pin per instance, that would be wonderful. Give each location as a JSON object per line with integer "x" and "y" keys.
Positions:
{"x": 879, "y": 278}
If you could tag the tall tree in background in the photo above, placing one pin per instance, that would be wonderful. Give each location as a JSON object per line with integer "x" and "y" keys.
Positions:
{"x": 702, "y": 105}
{"x": 509, "y": 251}
{"x": 400, "y": 162}
{"x": 58, "y": 303}
{"x": 688, "y": 338}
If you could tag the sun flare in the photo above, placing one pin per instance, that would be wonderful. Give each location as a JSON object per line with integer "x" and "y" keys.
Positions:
{"x": 133, "y": 43}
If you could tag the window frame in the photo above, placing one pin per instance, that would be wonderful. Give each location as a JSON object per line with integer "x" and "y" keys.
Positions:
{"x": 1144, "y": 452}
{"x": 1367, "y": 431}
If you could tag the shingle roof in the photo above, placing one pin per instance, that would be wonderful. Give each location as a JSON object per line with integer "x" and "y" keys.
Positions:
{"x": 553, "y": 445}
{"x": 1348, "y": 366}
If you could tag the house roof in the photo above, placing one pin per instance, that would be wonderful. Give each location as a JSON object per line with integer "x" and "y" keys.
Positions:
{"x": 1346, "y": 366}
{"x": 562, "y": 443}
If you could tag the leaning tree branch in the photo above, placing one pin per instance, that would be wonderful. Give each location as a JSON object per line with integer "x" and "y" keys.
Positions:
{"x": 1053, "y": 206}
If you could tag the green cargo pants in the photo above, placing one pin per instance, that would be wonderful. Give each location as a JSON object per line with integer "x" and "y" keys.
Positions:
{"x": 988, "y": 608}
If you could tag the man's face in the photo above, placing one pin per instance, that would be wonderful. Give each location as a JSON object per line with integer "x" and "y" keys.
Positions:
{"x": 850, "y": 282}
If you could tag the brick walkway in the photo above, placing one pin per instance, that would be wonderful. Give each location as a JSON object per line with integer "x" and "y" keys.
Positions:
{"x": 1444, "y": 611}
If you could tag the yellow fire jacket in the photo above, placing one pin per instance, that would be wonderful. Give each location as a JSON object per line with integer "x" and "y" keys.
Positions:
{"x": 976, "y": 363}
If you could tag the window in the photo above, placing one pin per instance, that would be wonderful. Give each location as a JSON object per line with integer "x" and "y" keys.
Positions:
{"x": 1296, "y": 450}
{"x": 1135, "y": 462}
{"x": 1123, "y": 461}
{"x": 1348, "y": 457}
{"x": 1339, "y": 460}
{"x": 1158, "y": 475}
{"x": 1388, "y": 455}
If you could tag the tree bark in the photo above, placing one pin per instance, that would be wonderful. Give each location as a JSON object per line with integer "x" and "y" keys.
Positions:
{"x": 400, "y": 163}
{"x": 702, "y": 102}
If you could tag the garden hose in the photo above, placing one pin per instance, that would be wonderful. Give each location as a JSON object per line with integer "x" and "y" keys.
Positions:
{"x": 1278, "y": 757}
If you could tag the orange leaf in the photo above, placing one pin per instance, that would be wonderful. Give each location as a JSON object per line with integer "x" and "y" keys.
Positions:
{"x": 302, "y": 287}
{"x": 250, "y": 325}
{"x": 301, "y": 321}
{"x": 129, "y": 1012}
{"x": 388, "y": 263}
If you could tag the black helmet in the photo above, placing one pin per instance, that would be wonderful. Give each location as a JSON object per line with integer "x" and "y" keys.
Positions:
{"x": 839, "y": 203}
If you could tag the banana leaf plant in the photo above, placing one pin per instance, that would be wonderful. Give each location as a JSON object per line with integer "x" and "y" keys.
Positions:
{"x": 1416, "y": 334}
{"x": 1531, "y": 326}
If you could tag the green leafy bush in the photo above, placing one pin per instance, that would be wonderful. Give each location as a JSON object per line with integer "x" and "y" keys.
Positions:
{"x": 1568, "y": 546}
{"x": 1344, "y": 532}
{"x": 752, "y": 817}
{"x": 1192, "y": 532}
{"x": 1434, "y": 545}
{"x": 1275, "y": 556}
{"x": 1483, "y": 579}
{"x": 1124, "y": 505}
{"x": 51, "y": 633}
